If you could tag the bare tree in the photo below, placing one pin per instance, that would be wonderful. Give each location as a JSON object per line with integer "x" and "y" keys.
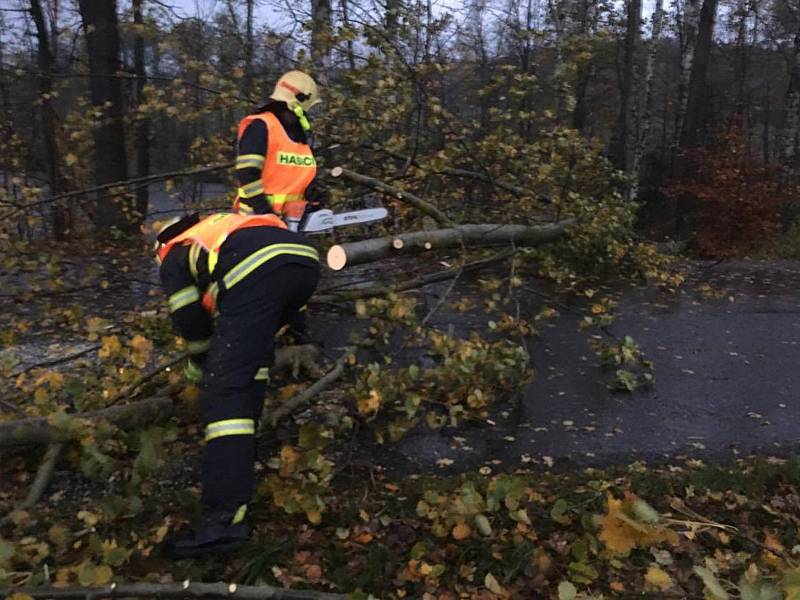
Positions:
{"x": 142, "y": 134}
{"x": 791, "y": 128}
{"x": 102, "y": 42}
{"x": 688, "y": 21}
{"x": 320, "y": 34}
{"x": 48, "y": 116}
{"x": 697, "y": 98}
{"x": 646, "y": 120}
{"x": 628, "y": 106}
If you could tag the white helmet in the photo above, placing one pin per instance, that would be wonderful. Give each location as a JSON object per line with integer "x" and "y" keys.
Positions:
{"x": 296, "y": 89}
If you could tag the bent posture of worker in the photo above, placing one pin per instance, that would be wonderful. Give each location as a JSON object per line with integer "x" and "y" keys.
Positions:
{"x": 275, "y": 166}
{"x": 254, "y": 275}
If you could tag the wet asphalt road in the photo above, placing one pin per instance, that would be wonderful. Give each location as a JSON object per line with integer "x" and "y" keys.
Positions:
{"x": 727, "y": 357}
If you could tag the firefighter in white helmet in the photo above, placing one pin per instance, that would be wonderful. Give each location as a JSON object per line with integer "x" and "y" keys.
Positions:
{"x": 275, "y": 166}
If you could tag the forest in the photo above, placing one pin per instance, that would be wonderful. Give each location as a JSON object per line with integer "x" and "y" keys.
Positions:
{"x": 563, "y": 366}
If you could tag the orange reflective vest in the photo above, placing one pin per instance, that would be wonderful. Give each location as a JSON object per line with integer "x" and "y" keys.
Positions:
{"x": 289, "y": 168}
{"x": 209, "y": 235}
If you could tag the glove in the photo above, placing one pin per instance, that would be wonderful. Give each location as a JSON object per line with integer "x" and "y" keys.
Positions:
{"x": 297, "y": 357}
{"x": 317, "y": 195}
{"x": 192, "y": 372}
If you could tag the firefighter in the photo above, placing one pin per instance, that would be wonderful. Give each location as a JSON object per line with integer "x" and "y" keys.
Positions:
{"x": 275, "y": 166}
{"x": 233, "y": 281}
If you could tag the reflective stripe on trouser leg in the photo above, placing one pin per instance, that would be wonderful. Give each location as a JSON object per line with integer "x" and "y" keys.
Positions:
{"x": 227, "y": 427}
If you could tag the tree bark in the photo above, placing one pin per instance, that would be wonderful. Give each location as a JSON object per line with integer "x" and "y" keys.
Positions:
{"x": 697, "y": 98}
{"x": 102, "y": 41}
{"x": 40, "y": 430}
{"x": 249, "y": 44}
{"x": 354, "y": 253}
{"x": 172, "y": 590}
{"x": 628, "y": 106}
{"x": 142, "y": 126}
{"x": 790, "y": 142}
{"x": 646, "y": 121}
{"x": 320, "y": 34}
{"x": 49, "y": 119}
{"x": 691, "y": 19}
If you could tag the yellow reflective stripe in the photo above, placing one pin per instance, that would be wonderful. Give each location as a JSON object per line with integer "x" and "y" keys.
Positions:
{"x": 245, "y": 209}
{"x": 230, "y": 427}
{"x": 262, "y": 374}
{"x": 194, "y": 254}
{"x": 281, "y": 198}
{"x": 251, "y": 189}
{"x": 183, "y": 298}
{"x": 241, "y": 512}
{"x": 198, "y": 346}
{"x": 248, "y": 161}
{"x": 256, "y": 259}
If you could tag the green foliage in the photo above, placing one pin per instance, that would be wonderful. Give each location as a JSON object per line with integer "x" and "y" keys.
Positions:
{"x": 469, "y": 375}
{"x": 303, "y": 476}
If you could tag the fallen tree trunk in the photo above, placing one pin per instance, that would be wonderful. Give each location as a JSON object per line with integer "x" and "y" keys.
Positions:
{"x": 172, "y": 590}
{"x": 41, "y": 430}
{"x": 337, "y": 296}
{"x": 355, "y": 253}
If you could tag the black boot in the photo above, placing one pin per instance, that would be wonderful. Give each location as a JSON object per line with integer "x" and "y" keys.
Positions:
{"x": 215, "y": 532}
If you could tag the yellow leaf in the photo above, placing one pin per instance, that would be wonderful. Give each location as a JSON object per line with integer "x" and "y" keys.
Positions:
{"x": 461, "y": 531}
{"x": 621, "y": 532}
{"x": 110, "y": 347}
{"x": 493, "y": 585}
{"x": 289, "y": 458}
{"x": 371, "y": 404}
{"x": 70, "y": 159}
{"x": 19, "y": 596}
{"x": 658, "y": 578}
{"x": 103, "y": 575}
{"x": 142, "y": 348}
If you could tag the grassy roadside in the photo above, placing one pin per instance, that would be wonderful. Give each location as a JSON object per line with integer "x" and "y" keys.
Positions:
{"x": 633, "y": 532}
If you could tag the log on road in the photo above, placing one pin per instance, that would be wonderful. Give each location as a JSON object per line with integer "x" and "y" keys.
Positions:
{"x": 355, "y": 253}
{"x": 41, "y": 430}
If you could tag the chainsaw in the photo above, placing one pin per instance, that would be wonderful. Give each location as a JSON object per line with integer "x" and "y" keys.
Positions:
{"x": 325, "y": 220}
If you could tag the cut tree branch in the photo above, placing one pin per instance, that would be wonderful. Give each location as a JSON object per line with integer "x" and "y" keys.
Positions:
{"x": 407, "y": 197}
{"x": 304, "y": 397}
{"x": 468, "y": 174}
{"x": 43, "y": 475}
{"x": 127, "y": 182}
{"x": 355, "y": 253}
{"x": 41, "y": 430}
{"x": 171, "y": 590}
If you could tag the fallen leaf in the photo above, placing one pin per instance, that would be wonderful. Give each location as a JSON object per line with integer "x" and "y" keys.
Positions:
{"x": 658, "y": 578}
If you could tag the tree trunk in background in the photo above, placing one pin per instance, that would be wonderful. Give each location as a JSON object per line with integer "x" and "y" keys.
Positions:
{"x": 791, "y": 129}
{"x": 248, "y": 49}
{"x": 584, "y": 72}
{"x": 143, "y": 126}
{"x": 556, "y": 10}
{"x": 48, "y": 117}
{"x": 320, "y": 33}
{"x": 691, "y": 19}
{"x": 646, "y": 121}
{"x": 697, "y": 100}
{"x": 102, "y": 41}
{"x": 628, "y": 106}
{"x": 351, "y": 56}
{"x": 392, "y": 17}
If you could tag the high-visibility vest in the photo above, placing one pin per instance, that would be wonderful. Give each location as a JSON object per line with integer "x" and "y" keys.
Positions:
{"x": 209, "y": 235}
{"x": 289, "y": 168}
